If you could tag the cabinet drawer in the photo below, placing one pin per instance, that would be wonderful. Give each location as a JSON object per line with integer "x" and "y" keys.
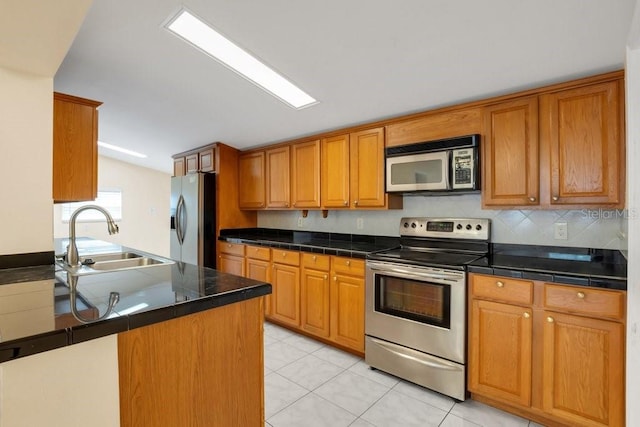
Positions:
{"x": 351, "y": 266}
{"x": 232, "y": 248}
{"x": 502, "y": 288}
{"x": 578, "y": 299}
{"x": 286, "y": 257}
{"x": 258, "y": 252}
{"x": 316, "y": 262}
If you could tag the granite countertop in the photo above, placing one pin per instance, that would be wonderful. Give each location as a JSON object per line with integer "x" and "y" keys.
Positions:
{"x": 147, "y": 296}
{"x": 340, "y": 244}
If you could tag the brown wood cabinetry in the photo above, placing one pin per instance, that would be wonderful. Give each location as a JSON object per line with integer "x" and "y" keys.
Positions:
{"x": 549, "y": 351}
{"x": 305, "y": 175}
{"x": 252, "y": 174}
{"x": 258, "y": 267}
{"x": 558, "y": 149}
{"x": 285, "y": 279}
{"x": 205, "y": 369}
{"x": 179, "y": 167}
{"x": 335, "y": 172}
{"x": 207, "y": 160}
{"x": 198, "y": 160}
{"x": 231, "y": 258}
{"x": 75, "y": 148}
{"x": 314, "y": 281}
{"x": 278, "y": 177}
{"x": 347, "y": 302}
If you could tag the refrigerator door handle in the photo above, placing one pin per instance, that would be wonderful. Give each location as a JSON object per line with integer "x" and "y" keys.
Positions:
{"x": 179, "y": 219}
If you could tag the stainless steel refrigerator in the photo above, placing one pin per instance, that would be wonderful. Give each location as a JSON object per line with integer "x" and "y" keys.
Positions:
{"x": 193, "y": 219}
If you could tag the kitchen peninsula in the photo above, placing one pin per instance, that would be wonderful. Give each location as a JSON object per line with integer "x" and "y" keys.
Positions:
{"x": 183, "y": 346}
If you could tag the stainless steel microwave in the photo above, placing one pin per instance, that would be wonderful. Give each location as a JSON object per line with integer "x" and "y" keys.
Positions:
{"x": 447, "y": 165}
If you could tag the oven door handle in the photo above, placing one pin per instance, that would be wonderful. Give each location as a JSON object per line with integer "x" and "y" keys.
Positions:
{"x": 441, "y": 276}
{"x": 430, "y": 362}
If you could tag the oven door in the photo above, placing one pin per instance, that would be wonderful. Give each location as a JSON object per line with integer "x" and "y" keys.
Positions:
{"x": 421, "y": 308}
{"x": 418, "y": 172}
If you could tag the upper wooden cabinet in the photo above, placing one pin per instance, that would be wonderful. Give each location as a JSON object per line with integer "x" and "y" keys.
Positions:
{"x": 510, "y": 154}
{"x": 278, "y": 177}
{"x": 583, "y": 130}
{"x": 252, "y": 178}
{"x": 75, "y": 148}
{"x": 305, "y": 175}
{"x": 353, "y": 172}
{"x": 199, "y": 160}
{"x": 560, "y": 149}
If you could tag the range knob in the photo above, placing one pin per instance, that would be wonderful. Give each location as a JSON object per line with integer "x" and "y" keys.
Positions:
{"x": 413, "y": 225}
{"x": 478, "y": 227}
{"x": 459, "y": 226}
{"x": 468, "y": 227}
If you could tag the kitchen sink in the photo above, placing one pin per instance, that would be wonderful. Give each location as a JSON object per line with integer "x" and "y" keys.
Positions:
{"x": 116, "y": 261}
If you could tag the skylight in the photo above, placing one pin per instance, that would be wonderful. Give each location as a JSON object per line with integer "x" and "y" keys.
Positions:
{"x": 196, "y": 32}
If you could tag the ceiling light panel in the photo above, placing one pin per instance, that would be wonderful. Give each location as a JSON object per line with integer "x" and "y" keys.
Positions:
{"x": 190, "y": 28}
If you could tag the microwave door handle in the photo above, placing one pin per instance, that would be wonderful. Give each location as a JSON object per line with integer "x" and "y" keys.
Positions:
{"x": 448, "y": 169}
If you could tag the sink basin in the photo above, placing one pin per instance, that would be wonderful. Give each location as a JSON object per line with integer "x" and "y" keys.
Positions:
{"x": 119, "y": 264}
{"x": 116, "y": 261}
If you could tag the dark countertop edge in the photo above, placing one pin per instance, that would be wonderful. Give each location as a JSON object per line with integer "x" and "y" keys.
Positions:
{"x": 301, "y": 247}
{"x": 22, "y": 347}
{"x": 616, "y": 283}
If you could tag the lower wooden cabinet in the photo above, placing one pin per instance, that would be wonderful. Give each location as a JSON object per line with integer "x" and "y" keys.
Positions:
{"x": 552, "y": 352}
{"x": 285, "y": 279}
{"x": 231, "y": 258}
{"x": 258, "y": 267}
{"x": 314, "y": 281}
{"x": 347, "y": 303}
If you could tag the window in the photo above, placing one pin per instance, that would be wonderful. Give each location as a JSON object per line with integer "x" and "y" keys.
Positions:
{"x": 111, "y": 200}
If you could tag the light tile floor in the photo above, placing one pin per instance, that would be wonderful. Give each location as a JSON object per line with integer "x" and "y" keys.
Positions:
{"x": 309, "y": 384}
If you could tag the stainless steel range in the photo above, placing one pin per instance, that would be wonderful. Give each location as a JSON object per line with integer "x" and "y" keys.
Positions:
{"x": 416, "y": 302}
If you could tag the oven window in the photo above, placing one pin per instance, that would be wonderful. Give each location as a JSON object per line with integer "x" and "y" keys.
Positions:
{"x": 413, "y": 299}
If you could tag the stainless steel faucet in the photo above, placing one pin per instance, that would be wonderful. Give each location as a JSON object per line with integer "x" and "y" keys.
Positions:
{"x": 72, "y": 249}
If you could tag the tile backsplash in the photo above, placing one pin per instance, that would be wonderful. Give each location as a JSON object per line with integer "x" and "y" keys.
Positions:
{"x": 592, "y": 228}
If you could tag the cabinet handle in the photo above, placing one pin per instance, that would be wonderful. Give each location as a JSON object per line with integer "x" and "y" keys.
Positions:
{"x": 500, "y": 284}
{"x": 550, "y": 319}
{"x": 526, "y": 315}
{"x": 346, "y": 202}
{"x": 555, "y": 198}
{"x": 581, "y": 295}
{"x": 532, "y": 199}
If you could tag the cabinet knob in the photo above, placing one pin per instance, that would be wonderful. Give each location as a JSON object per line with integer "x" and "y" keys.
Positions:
{"x": 228, "y": 245}
{"x": 284, "y": 254}
{"x": 355, "y": 202}
{"x": 532, "y": 199}
{"x": 526, "y": 315}
{"x": 348, "y": 263}
{"x": 326, "y": 277}
{"x": 555, "y": 198}
{"x": 314, "y": 258}
{"x": 581, "y": 295}
{"x": 335, "y": 278}
{"x": 346, "y": 202}
{"x": 550, "y": 319}
{"x": 500, "y": 284}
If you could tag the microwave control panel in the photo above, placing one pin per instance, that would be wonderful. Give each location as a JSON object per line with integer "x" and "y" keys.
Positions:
{"x": 463, "y": 163}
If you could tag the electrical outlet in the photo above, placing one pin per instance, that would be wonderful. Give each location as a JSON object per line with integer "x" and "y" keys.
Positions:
{"x": 300, "y": 221}
{"x": 360, "y": 223}
{"x": 560, "y": 231}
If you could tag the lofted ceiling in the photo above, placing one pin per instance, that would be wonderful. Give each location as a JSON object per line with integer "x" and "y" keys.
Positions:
{"x": 363, "y": 60}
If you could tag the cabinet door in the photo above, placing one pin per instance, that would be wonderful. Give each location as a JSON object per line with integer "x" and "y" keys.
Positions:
{"x": 583, "y": 370}
{"x": 315, "y": 302}
{"x": 500, "y": 338}
{"x": 305, "y": 175}
{"x": 367, "y": 168}
{"x": 583, "y": 129}
{"x": 278, "y": 183}
{"x": 252, "y": 179}
{"x": 75, "y": 148}
{"x": 231, "y": 264}
{"x": 285, "y": 301}
{"x": 260, "y": 270}
{"x": 510, "y": 154}
{"x": 192, "y": 165}
{"x": 207, "y": 160}
{"x": 178, "y": 166}
{"x": 347, "y": 311}
{"x": 335, "y": 172}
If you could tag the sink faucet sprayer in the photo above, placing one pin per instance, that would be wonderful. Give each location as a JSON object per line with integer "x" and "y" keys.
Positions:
{"x": 72, "y": 249}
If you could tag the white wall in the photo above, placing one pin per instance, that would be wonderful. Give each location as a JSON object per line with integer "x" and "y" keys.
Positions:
{"x": 588, "y": 228}
{"x": 145, "y": 208}
{"x": 633, "y": 182}
{"x": 26, "y": 153}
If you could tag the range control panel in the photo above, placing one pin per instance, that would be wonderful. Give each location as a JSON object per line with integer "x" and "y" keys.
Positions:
{"x": 450, "y": 228}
